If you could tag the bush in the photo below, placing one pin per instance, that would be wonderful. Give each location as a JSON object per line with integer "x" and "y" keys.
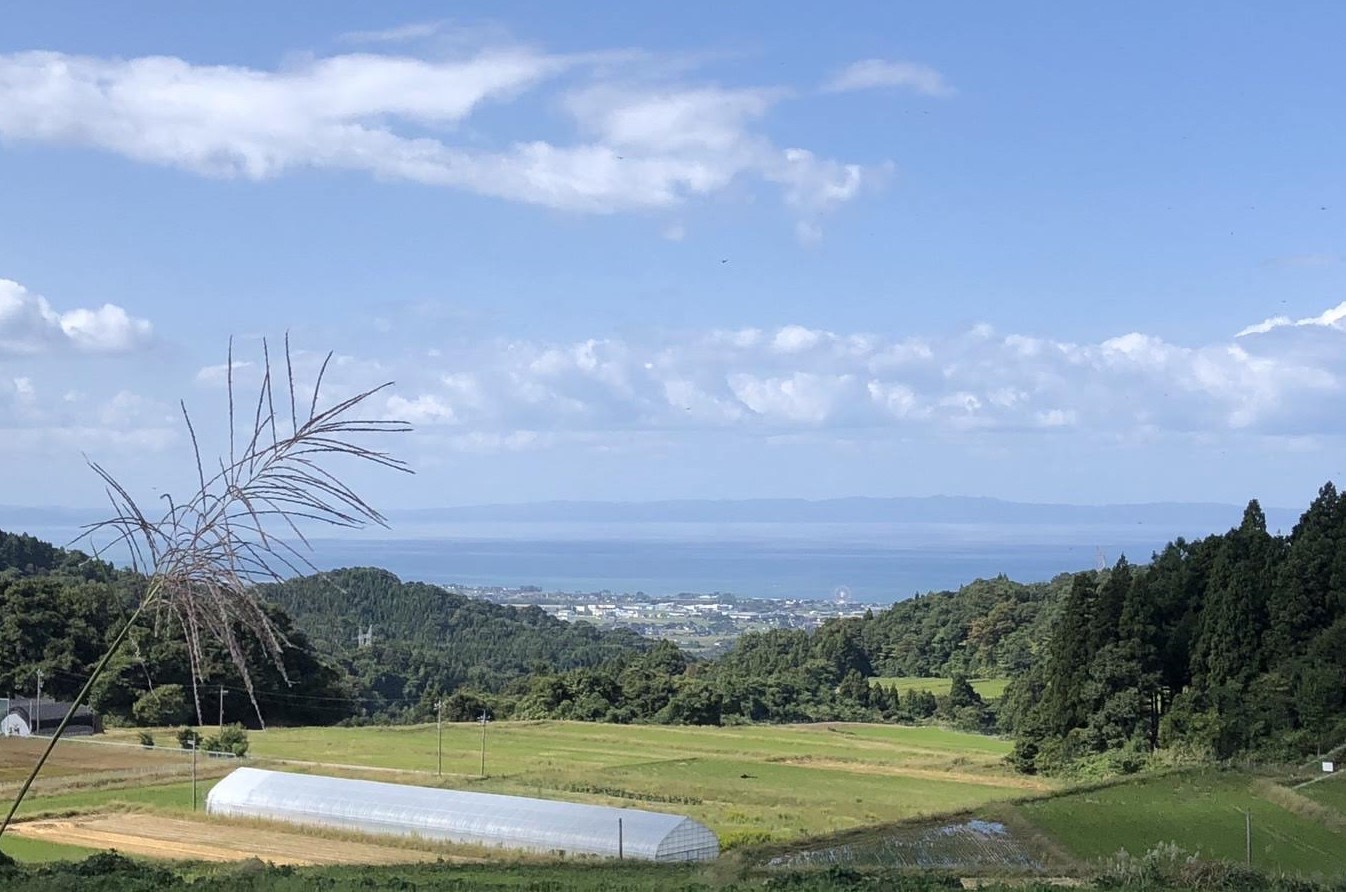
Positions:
{"x": 165, "y": 705}
{"x": 232, "y": 739}
{"x": 1023, "y": 758}
{"x": 188, "y": 738}
{"x": 146, "y": 739}
{"x": 737, "y": 839}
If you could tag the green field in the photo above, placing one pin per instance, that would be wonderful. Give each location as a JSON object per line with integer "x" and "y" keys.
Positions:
{"x": 1330, "y": 792}
{"x": 1199, "y": 811}
{"x": 173, "y": 797}
{"x": 989, "y": 688}
{"x": 745, "y": 782}
{"x": 37, "y": 851}
{"x": 788, "y": 784}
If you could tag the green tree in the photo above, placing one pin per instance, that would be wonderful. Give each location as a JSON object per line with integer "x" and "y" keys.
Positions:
{"x": 1105, "y": 625}
{"x": 1071, "y": 652}
{"x": 1228, "y": 649}
{"x": 165, "y": 705}
{"x": 1302, "y": 596}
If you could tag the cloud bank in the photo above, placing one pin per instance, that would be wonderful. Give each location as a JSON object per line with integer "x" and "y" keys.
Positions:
{"x": 794, "y": 378}
{"x": 622, "y": 137}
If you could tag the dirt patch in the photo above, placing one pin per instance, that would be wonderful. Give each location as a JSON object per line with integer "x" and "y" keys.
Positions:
{"x": 960, "y": 777}
{"x": 181, "y": 839}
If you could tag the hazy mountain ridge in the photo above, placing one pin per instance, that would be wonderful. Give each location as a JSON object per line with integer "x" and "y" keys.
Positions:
{"x": 860, "y": 509}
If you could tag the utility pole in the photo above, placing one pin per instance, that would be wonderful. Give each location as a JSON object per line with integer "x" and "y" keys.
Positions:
{"x": 221, "y": 707}
{"x": 483, "y": 743}
{"x": 37, "y": 711}
{"x": 1248, "y": 836}
{"x": 194, "y": 743}
{"x": 439, "y": 738}
{"x": 619, "y": 839}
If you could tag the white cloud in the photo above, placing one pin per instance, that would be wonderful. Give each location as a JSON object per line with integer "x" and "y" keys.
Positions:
{"x": 634, "y": 147}
{"x": 219, "y": 374}
{"x": 794, "y": 338}
{"x": 108, "y": 328}
{"x": 38, "y": 419}
{"x": 1307, "y": 260}
{"x": 796, "y": 378}
{"x": 1333, "y": 318}
{"x": 30, "y": 325}
{"x": 397, "y": 34}
{"x": 126, "y": 410}
{"x": 424, "y": 409}
{"x": 869, "y": 74}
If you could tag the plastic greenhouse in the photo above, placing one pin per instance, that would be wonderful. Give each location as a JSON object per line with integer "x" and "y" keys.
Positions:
{"x": 514, "y": 822}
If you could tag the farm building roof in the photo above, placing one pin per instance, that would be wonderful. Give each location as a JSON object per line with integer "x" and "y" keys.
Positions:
{"x": 516, "y": 822}
{"x": 48, "y": 714}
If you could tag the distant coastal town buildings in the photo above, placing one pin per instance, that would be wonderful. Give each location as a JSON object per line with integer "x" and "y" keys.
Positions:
{"x": 703, "y": 624}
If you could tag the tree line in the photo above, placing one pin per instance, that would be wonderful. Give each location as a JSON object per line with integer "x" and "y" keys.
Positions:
{"x": 1231, "y": 644}
{"x": 59, "y": 609}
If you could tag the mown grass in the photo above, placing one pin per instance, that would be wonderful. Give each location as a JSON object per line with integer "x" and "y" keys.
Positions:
{"x": 1199, "y": 811}
{"x": 989, "y": 688}
{"x": 749, "y": 782}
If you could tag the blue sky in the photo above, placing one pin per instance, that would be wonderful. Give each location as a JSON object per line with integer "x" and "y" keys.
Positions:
{"x": 1026, "y": 251}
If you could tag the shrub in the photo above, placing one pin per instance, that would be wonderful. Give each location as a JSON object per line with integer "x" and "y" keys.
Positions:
{"x": 736, "y": 839}
{"x": 146, "y": 739}
{"x": 231, "y": 739}
{"x": 188, "y": 738}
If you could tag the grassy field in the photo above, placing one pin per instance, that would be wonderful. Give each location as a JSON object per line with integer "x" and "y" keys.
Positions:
{"x": 989, "y": 688}
{"x": 38, "y": 851}
{"x": 1199, "y": 811}
{"x": 1330, "y": 792}
{"x": 784, "y": 784}
{"x": 172, "y": 797}
{"x": 746, "y": 782}
{"x": 83, "y": 757}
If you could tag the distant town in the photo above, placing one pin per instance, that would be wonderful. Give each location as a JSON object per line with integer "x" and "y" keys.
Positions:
{"x": 704, "y": 624}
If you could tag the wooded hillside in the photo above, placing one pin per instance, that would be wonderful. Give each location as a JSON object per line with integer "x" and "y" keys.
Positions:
{"x": 1230, "y": 644}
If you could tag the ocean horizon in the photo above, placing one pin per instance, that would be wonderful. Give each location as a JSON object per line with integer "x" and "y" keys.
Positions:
{"x": 875, "y": 563}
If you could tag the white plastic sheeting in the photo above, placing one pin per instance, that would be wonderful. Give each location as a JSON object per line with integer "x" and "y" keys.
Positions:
{"x": 515, "y": 822}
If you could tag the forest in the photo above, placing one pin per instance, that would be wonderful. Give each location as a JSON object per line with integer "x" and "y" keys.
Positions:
{"x": 1232, "y": 644}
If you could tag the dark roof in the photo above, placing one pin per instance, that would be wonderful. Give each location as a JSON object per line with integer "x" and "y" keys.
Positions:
{"x": 49, "y": 712}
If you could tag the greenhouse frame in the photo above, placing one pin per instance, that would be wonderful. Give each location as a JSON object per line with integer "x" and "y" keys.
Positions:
{"x": 485, "y": 819}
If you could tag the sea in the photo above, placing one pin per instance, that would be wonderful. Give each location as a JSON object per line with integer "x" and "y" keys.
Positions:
{"x": 871, "y": 562}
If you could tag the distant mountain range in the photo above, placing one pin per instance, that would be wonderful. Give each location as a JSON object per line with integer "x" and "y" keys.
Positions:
{"x": 1210, "y": 516}
{"x": 1193, "y": 518}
